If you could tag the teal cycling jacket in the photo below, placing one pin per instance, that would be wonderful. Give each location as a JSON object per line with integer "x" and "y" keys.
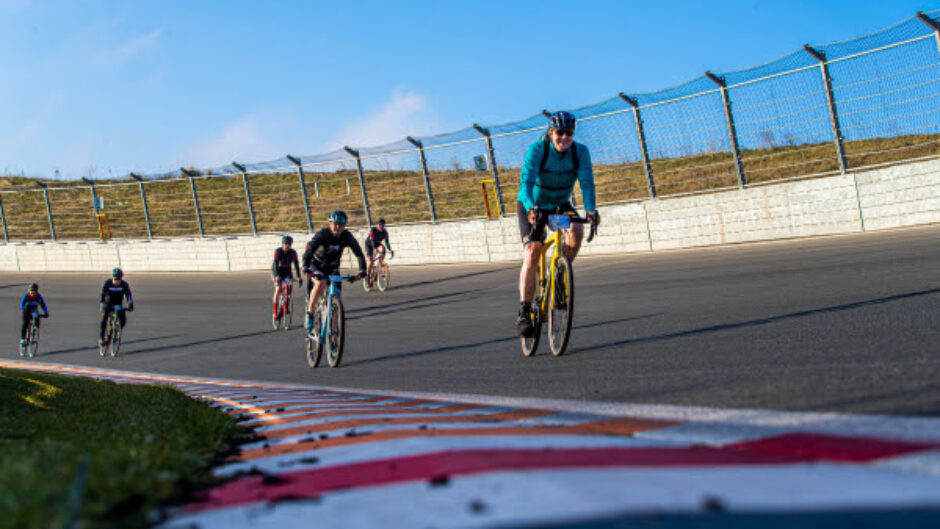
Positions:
{"x": 553, "y": 186}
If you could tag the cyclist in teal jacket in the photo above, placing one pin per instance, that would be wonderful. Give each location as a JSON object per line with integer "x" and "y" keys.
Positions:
{"x": 552, "y": 165}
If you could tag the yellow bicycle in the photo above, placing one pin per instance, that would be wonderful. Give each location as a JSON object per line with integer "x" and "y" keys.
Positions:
{"x": 554, "y": 296}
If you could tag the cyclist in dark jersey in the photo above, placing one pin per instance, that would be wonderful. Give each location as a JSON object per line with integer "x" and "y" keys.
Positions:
{"x": 29, "y": 304}
{"x": 113, "y": 293}
{"x": 323, "y": 254}
{"x": 374, "y": 242}
{"x": 280, "y": 268}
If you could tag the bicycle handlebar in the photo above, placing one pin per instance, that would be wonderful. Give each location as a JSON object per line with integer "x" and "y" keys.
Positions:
{"x": 541, "y": 220}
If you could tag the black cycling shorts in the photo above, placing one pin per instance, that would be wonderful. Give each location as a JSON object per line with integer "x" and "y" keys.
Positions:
{"x": 283, "y": 274}
{"x": 525, "y": 227}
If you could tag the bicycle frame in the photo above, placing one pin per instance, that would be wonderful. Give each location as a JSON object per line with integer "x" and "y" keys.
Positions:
{"x": 284, "y": 299}
{"x": 326, "y": 319}
{"x": 555, "y": 242}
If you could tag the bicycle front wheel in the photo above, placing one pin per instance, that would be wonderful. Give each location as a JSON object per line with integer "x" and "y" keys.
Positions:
{"x": 561, "y": 307}
{"x": 33, "y": 337}
{"x": 287, "y": 314}
{"x": 383, "y": 277}
{"x": 336, "y": 334}
{"x": 114, "y": 346}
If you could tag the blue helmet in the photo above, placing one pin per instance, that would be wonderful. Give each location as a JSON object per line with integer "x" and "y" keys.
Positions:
{"x": 562, "y": 120}
{"x": 117, "y": 273}
{"x": 338, "y": 216}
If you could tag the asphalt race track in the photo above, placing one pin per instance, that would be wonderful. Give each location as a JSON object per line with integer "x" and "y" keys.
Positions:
{"x": 844, "y": 324}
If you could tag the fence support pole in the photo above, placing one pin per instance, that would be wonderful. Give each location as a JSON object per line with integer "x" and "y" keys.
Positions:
{"x": 932, "y": 25}
{"x": 732, "y": 131}
{"x": 143, "y": 199}
{"x": 45, "y": 194}
{"x": 3, "y": 220}
{"x": 427, "y": 177}
{"x": 493, "y": 169}
{"x": 362, "y": 183}
{"x": 251, "y": 207}
{"x": 641, "y": 135}
{"x": 303, "y": 191}
{"x": 192, "y": 187}
{"x": 830, "y": 100}
{"x": 94, "y": 196}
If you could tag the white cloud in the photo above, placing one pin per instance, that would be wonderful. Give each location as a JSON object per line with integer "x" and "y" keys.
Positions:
{"x": 242, "y": 141}
{"x": 127, "y": 50}
{"x": 405, "y": 113}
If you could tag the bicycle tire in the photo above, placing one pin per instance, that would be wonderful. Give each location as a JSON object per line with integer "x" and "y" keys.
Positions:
{"x": 287, "y": 317}
{"x": 561, "y": 308}
{"x": 32, "y": 345}
{"x": 369, "y": 281}
{"x": 337, "y": 335}
{"x": 114, "y": 344}
{"x": 383, "y": 277}
{"x": 103, "y": 347}
{"x": 531, "y": 343}
{"x": 314, "y": 348}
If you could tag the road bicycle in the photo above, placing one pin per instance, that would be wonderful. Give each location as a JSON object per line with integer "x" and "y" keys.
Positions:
{"x": 329, "y": 325}
{"x": 32, "y": 336}
{"x": 285, "y": 308}
{"x": 380, "y": 274}
{"x": 112, "y": 334}
{"x": 554, "y": 296}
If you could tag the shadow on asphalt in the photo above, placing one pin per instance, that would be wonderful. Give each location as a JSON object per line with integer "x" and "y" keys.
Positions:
{"x": 449, "y": 278}
{"x": 94, "y": 346}
{"x": 390, "y": 308}
{"x": 760, "y": 321}
{"x": 511, "y": 338}
{"x": 197, "y": 342}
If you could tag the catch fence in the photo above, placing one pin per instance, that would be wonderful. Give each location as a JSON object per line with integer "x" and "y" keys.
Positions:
{"x": 821, "y": 110}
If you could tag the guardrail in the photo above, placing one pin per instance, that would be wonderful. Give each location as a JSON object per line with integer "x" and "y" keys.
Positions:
{"x": 822, "y": 110}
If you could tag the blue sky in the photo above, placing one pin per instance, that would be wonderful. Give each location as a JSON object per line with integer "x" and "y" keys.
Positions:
{"x": 102, "y": 88}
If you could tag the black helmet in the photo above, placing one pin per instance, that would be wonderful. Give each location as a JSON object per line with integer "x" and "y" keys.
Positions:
{"x": 33, "y": 287}
{"x": 562, "y": 120}
{"x": 117, "y": 273}
{"x": 381, "y": 222}
{"x": 338, "y": 216}
{"x": 287, "y": 239}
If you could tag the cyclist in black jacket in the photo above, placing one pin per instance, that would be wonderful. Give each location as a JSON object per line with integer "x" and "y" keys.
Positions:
{"x": 378, "y": 236}
{"x": 284, "y": 256}
{"x": 113, "y": 293}
{"x": 323, "y": 254}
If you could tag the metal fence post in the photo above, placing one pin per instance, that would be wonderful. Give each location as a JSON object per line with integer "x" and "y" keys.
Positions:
{"x": 932, "y": 25}
{"x": 45, "y": 194}
{"x": 143, "y": 199}
{"x": 3, "y": 220}
{"x": 303, "y": 191}
{"x": 492, "y": 156}
{"x": 362, "y": 183}
{"x": 94, "y": 196}
{"x": 641, "y": 135}
{"x": 732, "y": 131}
{"x": 251, "y": 207}
{"x": 192, "y": 186}
{"x": 427, "y": 177}
{"x": 830, "y": 100}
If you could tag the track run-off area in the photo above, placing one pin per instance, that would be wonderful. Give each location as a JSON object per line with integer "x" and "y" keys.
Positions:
{"x": 794, "y": 381}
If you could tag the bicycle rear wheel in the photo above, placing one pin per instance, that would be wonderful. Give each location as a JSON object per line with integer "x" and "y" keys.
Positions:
{"x": 383, "y": 277}
{"x": 33, "y": 336}
{"x": 531, "y": 343}
{"x": 315, "y": 346}
{"x": 561, "y": 308}
{"x": 336, "y": 334}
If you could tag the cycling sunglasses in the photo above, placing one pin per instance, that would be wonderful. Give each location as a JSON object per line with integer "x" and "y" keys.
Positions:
{"x": 564, "y": 132}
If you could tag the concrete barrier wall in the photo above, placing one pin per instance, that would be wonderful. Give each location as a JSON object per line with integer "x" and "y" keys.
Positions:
{"x": 878, "y": 199}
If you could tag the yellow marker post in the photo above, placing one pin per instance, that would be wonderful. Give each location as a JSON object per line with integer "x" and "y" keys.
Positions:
{"x": 104, "y": 226}
{"x": 486, "y": 198}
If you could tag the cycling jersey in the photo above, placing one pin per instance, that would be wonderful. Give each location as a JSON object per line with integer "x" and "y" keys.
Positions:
{"x": 376, "y": 238}
{"x": 548, "y": 177}
{"x": 280, "y": 267}
{"x": 114, "y": 294}
{"x": 325, "y": 250}
{"x": 32, "y": 303}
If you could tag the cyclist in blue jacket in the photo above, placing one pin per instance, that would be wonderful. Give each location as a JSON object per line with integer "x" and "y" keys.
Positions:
{"x": 552, "y": 165}
{"x": 29, "y": 304}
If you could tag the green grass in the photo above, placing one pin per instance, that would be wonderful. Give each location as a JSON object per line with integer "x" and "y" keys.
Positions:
{"x": 143, "y": 446}
{"x": 400, "y": 196}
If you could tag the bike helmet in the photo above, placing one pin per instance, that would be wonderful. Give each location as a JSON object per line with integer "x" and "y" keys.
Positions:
{"x": 338, "y": 216}
{"x": 117, "y": 273}
{"x": 563, "y": 120}
{"x": 33, "y": 287}
{"x": 381, "y": 222}
{"x": 287, "y": 239}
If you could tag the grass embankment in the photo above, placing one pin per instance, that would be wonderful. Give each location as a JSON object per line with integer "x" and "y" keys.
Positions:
{"x": 400, "y": 195}
{"x": 143, "y": 446}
